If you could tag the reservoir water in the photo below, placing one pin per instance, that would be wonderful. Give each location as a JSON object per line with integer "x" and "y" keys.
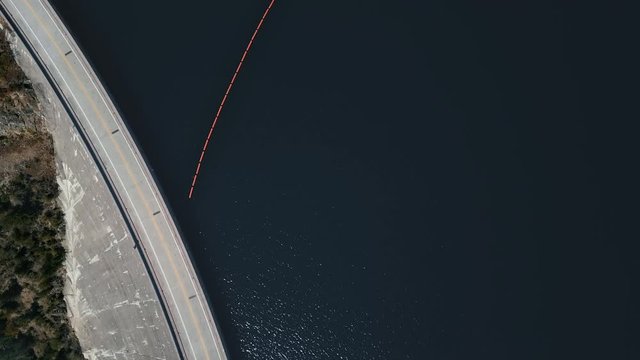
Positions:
{"x": 392, "y": 180}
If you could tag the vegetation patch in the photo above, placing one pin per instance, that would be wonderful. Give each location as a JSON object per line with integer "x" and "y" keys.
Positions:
{"x": 33, "y": 314}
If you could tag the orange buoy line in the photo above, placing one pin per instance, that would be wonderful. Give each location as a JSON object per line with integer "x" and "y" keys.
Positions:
{"x": 226, "y": 94}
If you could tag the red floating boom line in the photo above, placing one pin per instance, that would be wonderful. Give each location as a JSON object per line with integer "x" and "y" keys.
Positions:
{"x": 226, "y": 94}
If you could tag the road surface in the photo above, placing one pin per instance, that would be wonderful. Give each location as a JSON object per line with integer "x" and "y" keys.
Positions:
{"x": 133, "y": 186}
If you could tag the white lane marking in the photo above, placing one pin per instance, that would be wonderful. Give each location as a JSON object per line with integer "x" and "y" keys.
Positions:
{"x": 112, "y": 165}
{"x": 75, "y": 53}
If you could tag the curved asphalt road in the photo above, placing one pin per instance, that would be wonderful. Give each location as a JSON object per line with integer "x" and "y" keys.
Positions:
{"x": 188, "y": 311}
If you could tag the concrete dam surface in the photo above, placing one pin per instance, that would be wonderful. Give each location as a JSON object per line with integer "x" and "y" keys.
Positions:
{"x": 131, "y": 290}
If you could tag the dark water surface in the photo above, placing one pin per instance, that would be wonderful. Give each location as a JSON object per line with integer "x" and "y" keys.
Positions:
{"x": 393, "y": 180}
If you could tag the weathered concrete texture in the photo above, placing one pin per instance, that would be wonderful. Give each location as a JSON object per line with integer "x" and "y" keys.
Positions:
{"x": 111, "y": 301}
{"x": 108, "y": 138}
